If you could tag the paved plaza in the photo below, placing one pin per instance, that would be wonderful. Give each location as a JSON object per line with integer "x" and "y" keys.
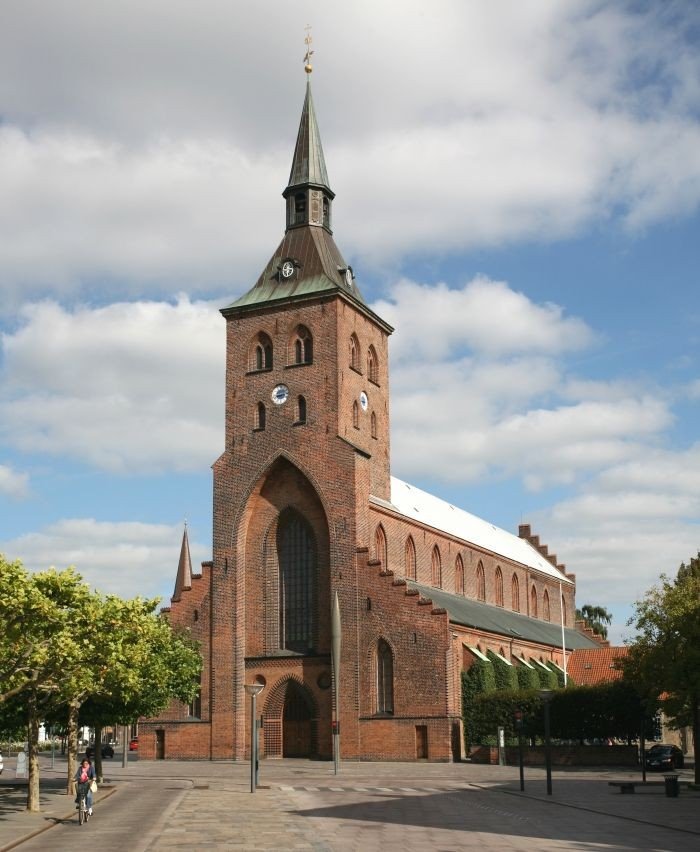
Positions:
{"x": 303, "y": 805}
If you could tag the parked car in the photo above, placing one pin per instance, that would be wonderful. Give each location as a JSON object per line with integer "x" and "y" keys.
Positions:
{"x": 106, "y": 751}
{"x": 134, "y": 744}
{"x": 664, "y": 757}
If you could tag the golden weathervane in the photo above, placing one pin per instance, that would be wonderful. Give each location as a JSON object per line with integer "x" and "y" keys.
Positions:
{"x": 309, "y": 53}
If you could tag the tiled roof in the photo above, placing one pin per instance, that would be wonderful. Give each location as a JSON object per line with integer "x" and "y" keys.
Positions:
{"x": 495, "y": 619}
{"x": 596, "y": 665}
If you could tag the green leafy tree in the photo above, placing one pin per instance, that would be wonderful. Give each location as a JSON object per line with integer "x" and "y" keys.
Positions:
{"x": 664, "y": 658}
{"x": 504, "y": 675}
{"x": 596, "y": 617}
{"x": 40, "y": 650}
{"x": 476, "y": 680}
{"x": 144, "y": 666}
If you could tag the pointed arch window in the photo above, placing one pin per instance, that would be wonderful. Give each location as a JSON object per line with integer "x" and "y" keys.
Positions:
{"x": 563, "y": 611}
{"x": 356, "y": 415}
{"x": 410, "y": 559}
{"x": 326, "y": 212}
{"x": 515, "y": 593}
{"x": 302, "y": 346}
{"x": 436, "y": 568}
{"x": 260, "y": 419}
{"x": 533, "y": 602}
{"x": 260, "y": 353}
{"x": 372, "y": 365}
{"x": 297, "y": 583}
{"x": 480, "y": 582}
{"x": 380, "y": 551}
{"x": 355, "y": 353}
{"x": 301, "y": 410}
{"x": 373, "y": 424}
{"x": 385, "y": 678}
{"x": 459, "y": 575}
{"x": 546, "y": 614}
{"x": 499, "y": 586}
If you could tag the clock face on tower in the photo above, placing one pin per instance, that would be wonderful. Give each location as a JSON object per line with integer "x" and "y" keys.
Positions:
{"x": 364, "y": 401}
{"x": 280, "y": 394}
{"x": 287, "y": 269}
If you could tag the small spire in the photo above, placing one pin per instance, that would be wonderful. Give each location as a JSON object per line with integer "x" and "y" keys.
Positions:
{"x": 309, "y": 53}
{"x": 183, "y": 581}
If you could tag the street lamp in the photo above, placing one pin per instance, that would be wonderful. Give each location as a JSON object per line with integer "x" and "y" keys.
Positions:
{"x": 546, "y": 696}
{"x": 253, "y": 689}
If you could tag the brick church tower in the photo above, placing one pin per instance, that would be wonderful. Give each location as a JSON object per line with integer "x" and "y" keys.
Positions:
{"x": 305, "y": 507}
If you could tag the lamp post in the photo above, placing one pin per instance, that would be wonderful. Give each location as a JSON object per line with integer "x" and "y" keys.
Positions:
{"x": 546, "y": 696}
{"x": 253, "y": 689}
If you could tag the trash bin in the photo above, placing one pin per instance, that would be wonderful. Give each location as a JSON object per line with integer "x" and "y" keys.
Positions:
{"x": 671, "y": 782}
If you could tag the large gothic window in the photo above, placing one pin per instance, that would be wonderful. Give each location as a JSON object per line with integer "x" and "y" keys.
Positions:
{"x": 546, "y": 614}
{"x": 297, "y": 567}
{"x": 499, "y": 586}
{"x": 385, "y": 678}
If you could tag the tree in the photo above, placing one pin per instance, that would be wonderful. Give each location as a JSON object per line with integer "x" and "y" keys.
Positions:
{"x": 595, "y": 617}
{"x": 145, "y": 665}
{"x": 41, "y": 651}
{"x": 664, "y": 658}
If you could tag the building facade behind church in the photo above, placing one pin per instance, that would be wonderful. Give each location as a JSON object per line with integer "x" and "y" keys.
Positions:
{"x": 305, "y": 507}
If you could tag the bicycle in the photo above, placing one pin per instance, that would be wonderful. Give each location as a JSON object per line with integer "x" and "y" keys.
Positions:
{"x": 83, "y": 810}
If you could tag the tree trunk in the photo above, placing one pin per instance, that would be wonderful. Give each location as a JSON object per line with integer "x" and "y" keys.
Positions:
{"x": 33, "y": 800}
{"x": 98, "y": 752}
{"x": 72, "y": 740}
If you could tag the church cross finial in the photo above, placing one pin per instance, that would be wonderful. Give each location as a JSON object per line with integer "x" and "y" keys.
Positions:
{"x": 309, "y": 53}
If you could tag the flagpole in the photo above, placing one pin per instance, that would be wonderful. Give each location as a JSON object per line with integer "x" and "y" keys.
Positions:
{"x": 563, "y": 639}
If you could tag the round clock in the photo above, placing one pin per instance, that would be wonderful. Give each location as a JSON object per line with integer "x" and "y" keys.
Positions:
{"x": 364, "y": 402}
{"x": 348, "y": 277}
{"x": 280, "y": 394}
{"x": 287, "y": 269}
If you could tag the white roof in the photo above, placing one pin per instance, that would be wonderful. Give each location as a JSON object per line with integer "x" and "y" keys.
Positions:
{"x": 420, "y": 506}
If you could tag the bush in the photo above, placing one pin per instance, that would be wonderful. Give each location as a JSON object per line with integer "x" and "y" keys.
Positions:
{"x": 478, "y": 679}
{"x": 527, "y": 678}
{"x": 506, "y": 677}
{"x": 547, "y": 678}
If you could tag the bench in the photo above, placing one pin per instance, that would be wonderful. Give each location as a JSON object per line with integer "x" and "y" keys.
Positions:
{"x": 629, "y": 786}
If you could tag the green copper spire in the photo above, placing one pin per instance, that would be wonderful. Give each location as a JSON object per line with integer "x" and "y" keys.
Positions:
{"x": 308, "y": 165}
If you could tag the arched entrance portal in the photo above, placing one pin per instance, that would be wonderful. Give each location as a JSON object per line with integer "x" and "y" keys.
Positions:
{"x": 296, "y": 723}
{"x": 291, "y": 720}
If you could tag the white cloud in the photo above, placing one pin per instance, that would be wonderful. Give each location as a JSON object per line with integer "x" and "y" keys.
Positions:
{"x": 12, "y": 483}
{"x": 465, "y": 126}
{"x": 131, "y": 387}
{"x": 121, "y": 558}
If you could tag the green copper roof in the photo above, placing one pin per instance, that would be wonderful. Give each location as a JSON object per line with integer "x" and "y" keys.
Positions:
{"x": 495, "y": 619}
{"x": 308, "y": 165}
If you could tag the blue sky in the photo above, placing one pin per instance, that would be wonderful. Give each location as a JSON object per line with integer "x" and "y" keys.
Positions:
{"x": 517, "y": 190}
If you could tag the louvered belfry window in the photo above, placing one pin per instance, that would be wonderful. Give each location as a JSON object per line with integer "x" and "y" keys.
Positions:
{"x": 297, "y": 566}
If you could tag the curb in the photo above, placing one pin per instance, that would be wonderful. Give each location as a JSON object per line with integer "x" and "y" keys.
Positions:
{"x": 52, "y": 824}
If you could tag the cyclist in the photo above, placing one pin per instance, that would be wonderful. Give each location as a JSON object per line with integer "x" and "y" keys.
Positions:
{"x": 84, "y": 778}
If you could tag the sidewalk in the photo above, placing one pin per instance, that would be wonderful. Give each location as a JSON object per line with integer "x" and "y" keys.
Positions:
{"x": 406, "y": 805}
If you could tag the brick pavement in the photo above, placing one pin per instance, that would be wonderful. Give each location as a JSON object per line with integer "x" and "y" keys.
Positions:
{"x": 302, "y": 805}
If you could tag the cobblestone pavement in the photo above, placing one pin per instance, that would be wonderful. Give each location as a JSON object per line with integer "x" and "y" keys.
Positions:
{"x": 170, "y": 805}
